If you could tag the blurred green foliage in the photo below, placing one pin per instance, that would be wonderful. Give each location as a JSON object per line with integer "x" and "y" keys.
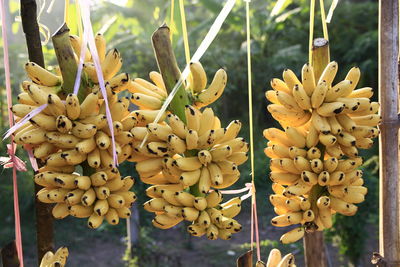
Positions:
{"x": 277, "y": 43}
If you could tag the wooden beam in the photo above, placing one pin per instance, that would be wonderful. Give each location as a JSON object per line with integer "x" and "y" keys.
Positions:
{"x": 44, "y": 218}
{"x": 389, "y": 215}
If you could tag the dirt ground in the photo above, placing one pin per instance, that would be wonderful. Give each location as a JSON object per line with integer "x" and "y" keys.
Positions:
{"x": 176, "y": 248}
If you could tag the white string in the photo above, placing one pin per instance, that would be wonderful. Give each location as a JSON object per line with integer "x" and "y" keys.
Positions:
{"x": 205, "y": 44}
{"x": 331, "y": 10}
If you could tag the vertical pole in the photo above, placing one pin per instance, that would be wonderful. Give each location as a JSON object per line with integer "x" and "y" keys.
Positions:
{"x": 389, "y": 216}
{"x": 44, "y": 218}
{"x": 314, "y": 246}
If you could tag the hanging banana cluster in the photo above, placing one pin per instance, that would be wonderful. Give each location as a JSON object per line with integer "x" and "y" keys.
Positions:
{"x": 59, "y": 258}
{"x": 314, "y": 160}
{"x": 68, "y": 133}
{"x": 185, "y": 160}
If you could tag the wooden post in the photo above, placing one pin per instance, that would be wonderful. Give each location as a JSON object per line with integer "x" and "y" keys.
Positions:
{"x": 44, "y": 218}
{"x": 314, "y": 246}
{"x": 9, "y": 255}
{"x": 389, "y": 215}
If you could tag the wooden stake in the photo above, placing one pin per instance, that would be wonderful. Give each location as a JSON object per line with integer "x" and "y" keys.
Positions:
{"x": 389, "y": 214}
{"x": 314, "y": 246}
{"x": 44, "y": 218}
{"x": 9, "y": 255}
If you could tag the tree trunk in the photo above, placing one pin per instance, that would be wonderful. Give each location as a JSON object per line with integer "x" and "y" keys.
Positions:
{"x": 44, "y": 218}
{"x": 389, "y": 214}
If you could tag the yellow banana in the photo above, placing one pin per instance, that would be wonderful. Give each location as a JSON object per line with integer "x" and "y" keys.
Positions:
{"x": 292, "y": 236}
{"x": 318, "y": 96}
{"x": 40, "y": 75}
{"x": 199, "y": 77}
{"x": 215, "y": 89}
{"x": 301, "y": 97}
{"x": 308, "y": 79}
{"x": 111, "y": 64}
{"x": 290, "y": 79}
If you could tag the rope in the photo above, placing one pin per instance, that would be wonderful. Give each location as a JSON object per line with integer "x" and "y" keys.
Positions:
{"x": 310, "y": 44}
{"x": 79, "y": 18}
{"x": 184, "y": 31}
{"x": 254, "y": 219}
{"x": 171, "y": 19}
{"x": 323, "y": 20}
{"x": 331, "y": 10}
{"x": 66, "y": 11}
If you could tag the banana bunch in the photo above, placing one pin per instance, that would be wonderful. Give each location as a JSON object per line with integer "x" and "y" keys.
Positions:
{"x": 59, "y": 258}
{"x": 314, "y": 160}
{"x": 183, "y": 154}
{"x": 70, "y": 132}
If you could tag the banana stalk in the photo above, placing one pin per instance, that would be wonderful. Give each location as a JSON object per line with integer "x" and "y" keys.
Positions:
{"x": 170, "y": 72}
{"x": 313, "y": 242}
{"x": 67, "y": 63}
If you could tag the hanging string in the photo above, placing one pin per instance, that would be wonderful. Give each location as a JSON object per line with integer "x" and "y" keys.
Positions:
{"x": 254, "y": 220}
{"x": 323, "y": 19}
{"x": 331, "y": 10}
{"x": 184, "y": 31}
{"x": 11, "y": 151}
{"x": 311, "y": 36}
{"x": 79, "y": 18}
{"x": 171, "y": 19}
{"x": 66, "y": 12}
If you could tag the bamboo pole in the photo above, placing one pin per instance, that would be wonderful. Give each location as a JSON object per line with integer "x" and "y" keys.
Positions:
{"x": 389, "y": 215}
{"x": 314, "y": 246}
{"x": 44, "y": 218}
